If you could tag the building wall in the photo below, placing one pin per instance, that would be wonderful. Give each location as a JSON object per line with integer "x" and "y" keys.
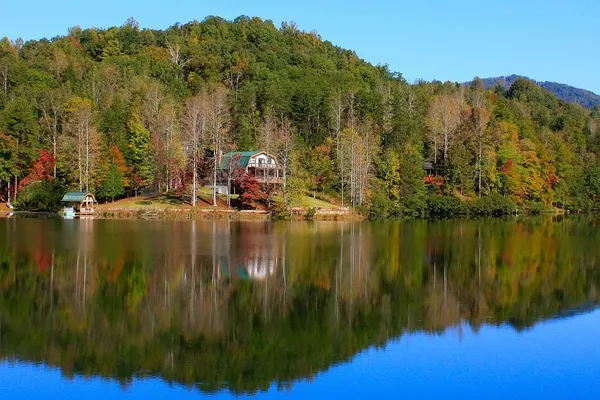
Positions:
{"x": 265, "y": 159}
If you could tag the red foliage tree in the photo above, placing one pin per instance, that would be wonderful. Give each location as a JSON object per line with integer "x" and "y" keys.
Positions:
{"x": 434, "y": 180}
{"x": 250, "y": 193}
{"x": 41, "y": 169}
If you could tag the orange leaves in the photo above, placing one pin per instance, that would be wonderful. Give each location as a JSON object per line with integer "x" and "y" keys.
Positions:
{"x": 116, "y": 158}
{"x": 434, "y": 180}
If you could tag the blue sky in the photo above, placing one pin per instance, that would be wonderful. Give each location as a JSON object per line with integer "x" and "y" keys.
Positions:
{"x": 429, "y": 39}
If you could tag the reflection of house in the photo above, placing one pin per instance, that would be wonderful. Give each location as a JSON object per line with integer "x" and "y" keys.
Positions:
{"x": 254, "y": 268}
{"x": 260, "y": 268}
{"x": 259, "y": 164}
{"x": 78, "y": 203}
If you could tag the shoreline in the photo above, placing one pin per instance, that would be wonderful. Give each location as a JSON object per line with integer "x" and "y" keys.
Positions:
{"x": 211, "y": 214}
{"x": 190, "y": 214}
{"x": 173, "y": 214}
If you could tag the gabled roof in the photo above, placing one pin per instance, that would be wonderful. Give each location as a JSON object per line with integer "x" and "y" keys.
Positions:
{"x": 75, "y": 197}
{"x": 245, "y": 157}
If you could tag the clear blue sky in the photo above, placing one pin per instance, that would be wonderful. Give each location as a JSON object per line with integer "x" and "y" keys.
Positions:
{"x": 455, "y": 40}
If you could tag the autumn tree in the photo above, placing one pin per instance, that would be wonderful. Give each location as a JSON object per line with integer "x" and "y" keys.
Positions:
{"x": 7, "y": 163}
{"x": 8, "y": 59}
{"x": 114, "y": 179}
{"x": 443, "y": 120}
{"x": 194, "y": 120}
{"x": 51, "y": 107}
{"x": 140, "y": 158}
{"x": 218, "y": 123}
{"x": 250, "y": 194}
{"x": 284, "y": 151}
{"x": 81, "y": 145}
{"x": 19, "y": 121}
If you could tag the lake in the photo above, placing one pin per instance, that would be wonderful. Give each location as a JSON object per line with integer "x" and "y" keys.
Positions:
{"x": 490, "y": 308}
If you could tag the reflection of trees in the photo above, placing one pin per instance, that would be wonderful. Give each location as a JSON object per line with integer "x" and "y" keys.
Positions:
{"x": 171, "y": 299}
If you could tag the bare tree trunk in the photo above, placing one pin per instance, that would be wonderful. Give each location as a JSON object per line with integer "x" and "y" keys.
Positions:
{"x": 194, "y": 178}
{"x": 5, "y": 79}
{"x": 445, "y": 147}
{"x": 16, "y": 174}
{"x": 87, "y": 156}
{"x": 79, "y": 158}
{"x": 479, "y": 169}
{"x": 215, "y": 178}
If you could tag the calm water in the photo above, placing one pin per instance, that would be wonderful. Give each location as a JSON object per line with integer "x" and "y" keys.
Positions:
{"x": 162, "y": 309}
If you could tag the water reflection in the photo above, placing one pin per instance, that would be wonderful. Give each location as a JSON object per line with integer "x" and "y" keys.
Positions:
{"x": 243, "y": 305}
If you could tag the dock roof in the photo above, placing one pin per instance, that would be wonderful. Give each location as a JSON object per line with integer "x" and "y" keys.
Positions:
{"x": 74, "y": 197}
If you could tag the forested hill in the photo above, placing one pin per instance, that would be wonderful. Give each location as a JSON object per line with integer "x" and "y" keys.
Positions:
{"x": 121, "y": 110}
{"x": 564, "y": 92}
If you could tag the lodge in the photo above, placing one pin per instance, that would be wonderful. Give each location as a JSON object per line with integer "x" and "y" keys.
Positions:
{"x": 258, "y": 164}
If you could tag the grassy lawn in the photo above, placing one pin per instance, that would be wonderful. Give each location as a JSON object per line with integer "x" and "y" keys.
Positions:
{"x": 308, "y": 202}
{"x": 145, "y": 202}
{"x": 161, "y": 202}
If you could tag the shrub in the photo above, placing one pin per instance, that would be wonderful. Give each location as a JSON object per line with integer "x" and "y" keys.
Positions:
{"x": 534, "y": 208}
{"x": 494, "y": 204}
{"x": 40, "y": 196}
{"x": 310, "y": 213}
{"x": 438, "y": 205}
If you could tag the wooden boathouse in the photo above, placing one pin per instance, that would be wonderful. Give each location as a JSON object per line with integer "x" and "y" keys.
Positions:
{"x": 79, "y": 203}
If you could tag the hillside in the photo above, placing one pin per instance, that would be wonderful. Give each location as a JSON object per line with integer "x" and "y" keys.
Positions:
{"x": 564, "y": 92}
{"x": 128, "y": 110}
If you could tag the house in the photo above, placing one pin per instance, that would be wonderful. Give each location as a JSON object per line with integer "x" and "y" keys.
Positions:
{"x": 259, "y": 164}
{"x": 433, "y": 173}
{"x": 78, "y": 204}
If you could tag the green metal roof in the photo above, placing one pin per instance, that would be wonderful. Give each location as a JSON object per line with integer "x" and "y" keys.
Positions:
{"x": 245, "y": 157}
{"x": 74, "y": 197}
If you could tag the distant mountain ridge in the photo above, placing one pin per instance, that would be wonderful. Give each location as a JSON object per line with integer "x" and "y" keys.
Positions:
{"x": 564, "y": 92}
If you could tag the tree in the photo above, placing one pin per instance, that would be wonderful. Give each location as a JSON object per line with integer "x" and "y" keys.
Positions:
{"x": 19, "y": 121}
{"x": 443, "y": 119}
{"x": 81, "y": 135}
{"x": 140, "y": 153}
{"x": 51, "y": 106}
{"x": 114, "y": 179}
{"x": 480, "y": 118}
{"x": 412, "y": 186}
{"x": 389, "y": 176}
{"x": 285, "y": 149}
{"x": 461, "y": 172}
{"x": 359, "y": 148}
{"x": 39, "y": 191}
{"x": 218, "y": 121}
{"x": 169, "y": 148}
{"x": 250, "y": 194}
{"x": 194, "y": 120}
{"x": 7, "y": 162}
{"x": 41, "y": 169}
{"x": 113, "y": 186}
{"x": 8, "y": 58}
{"x": 234, "y": 173}
{"x": 319, "y": 165}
